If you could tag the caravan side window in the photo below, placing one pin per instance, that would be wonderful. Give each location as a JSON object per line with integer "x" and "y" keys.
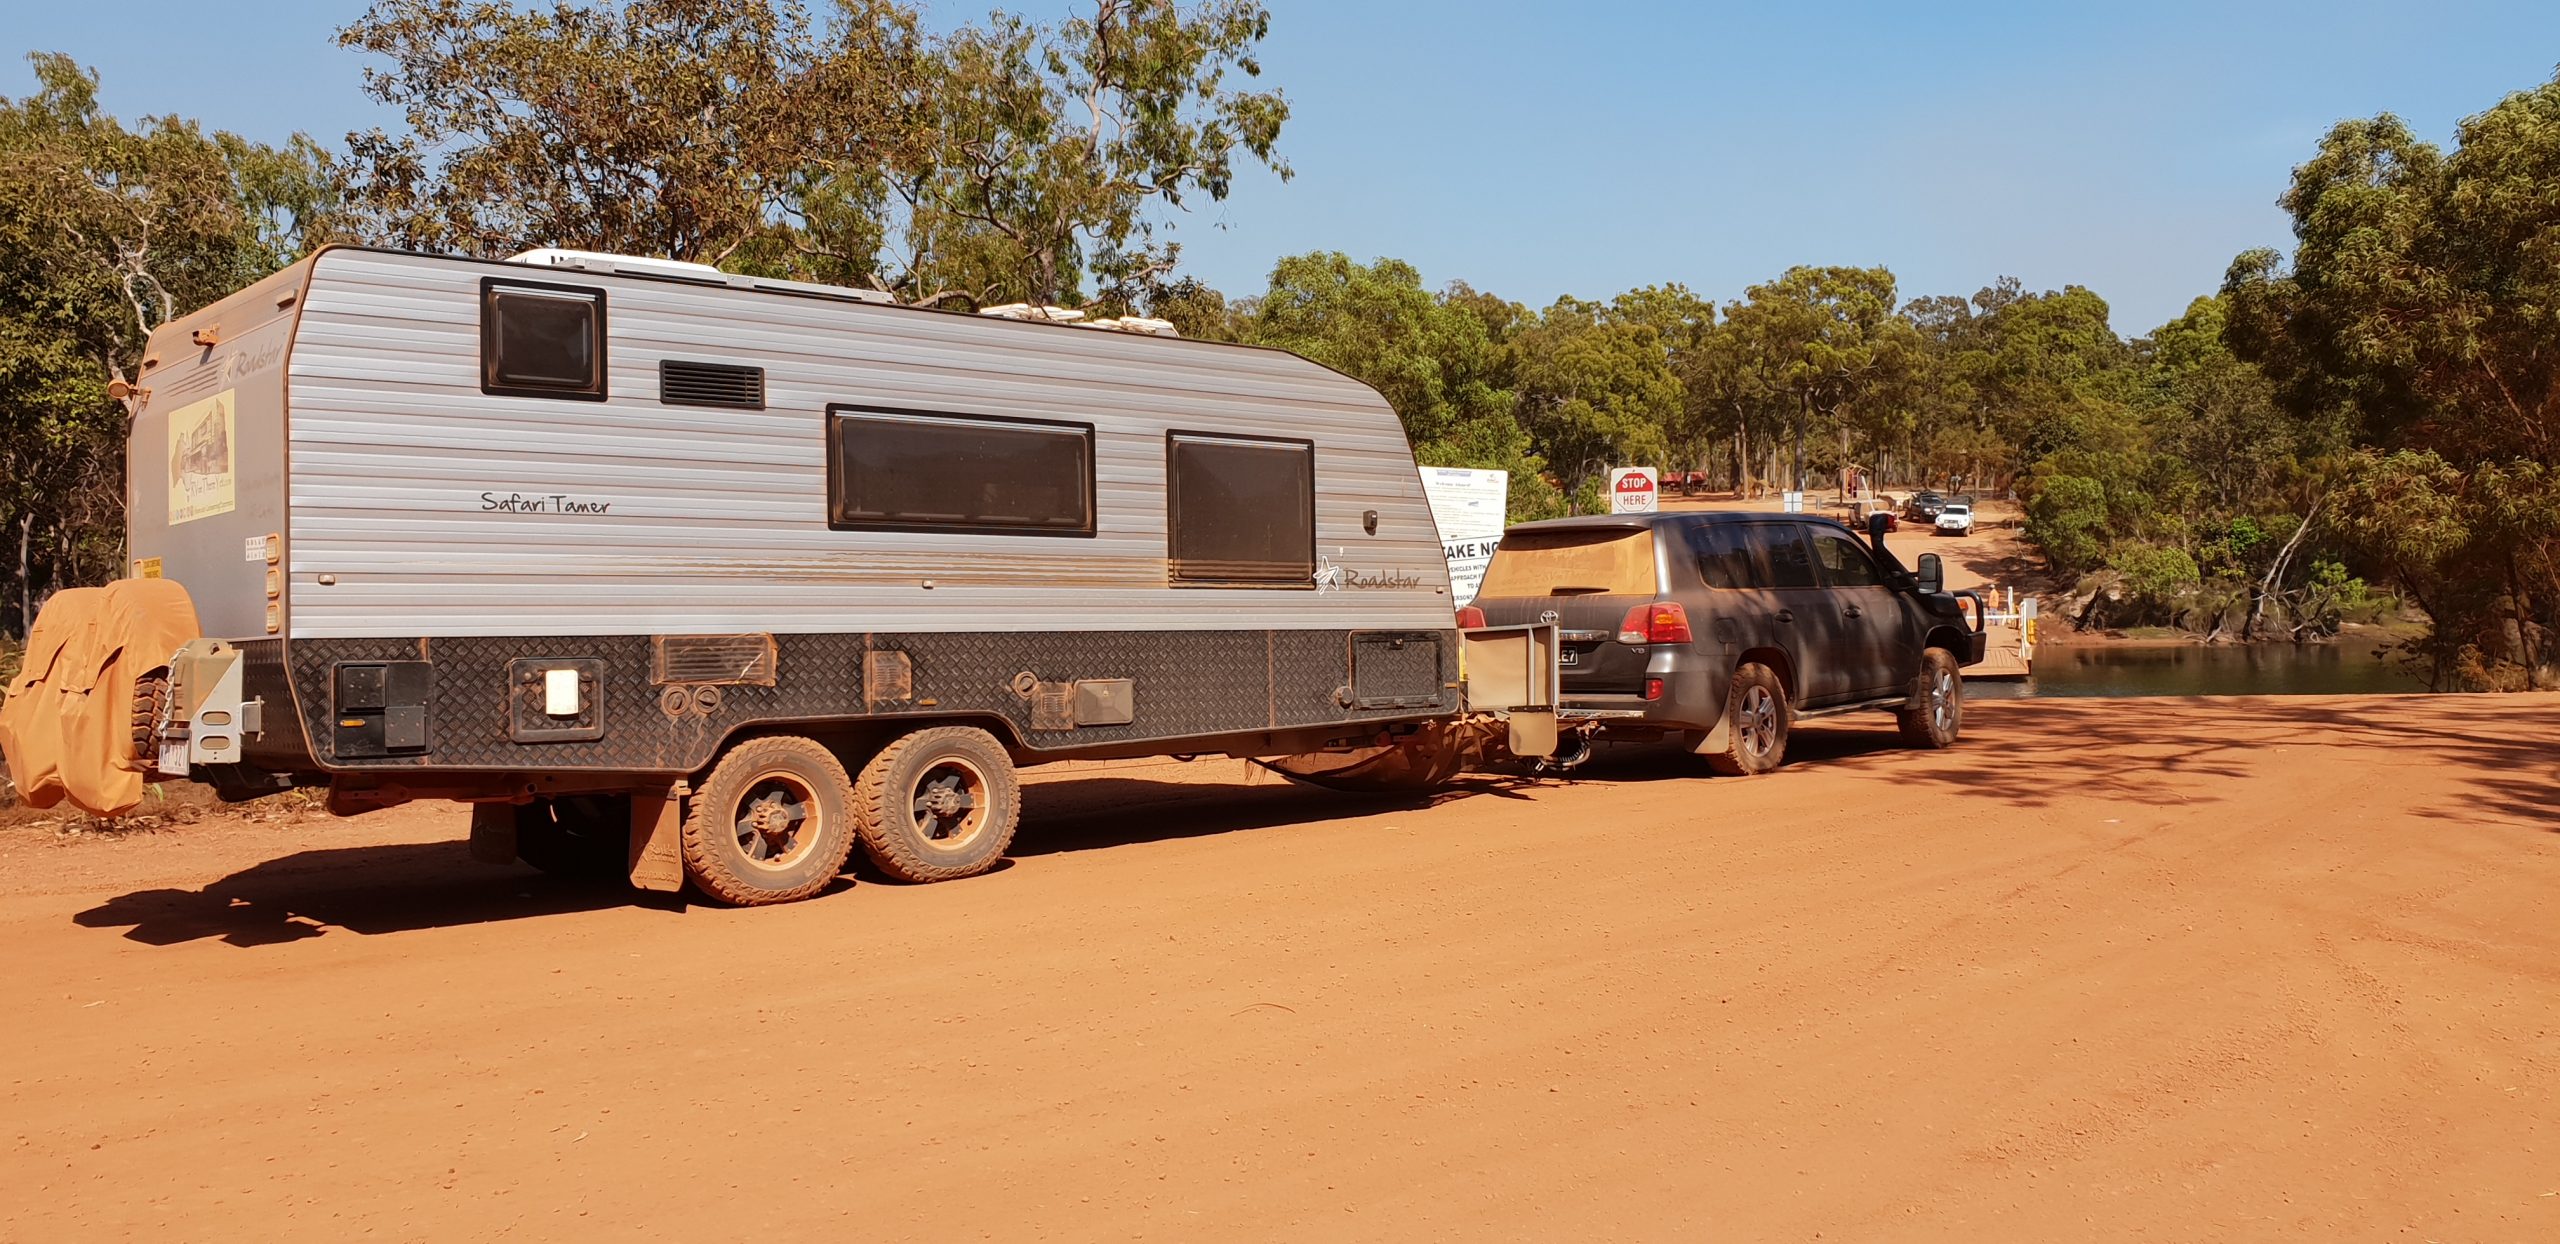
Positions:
{"x": 1240, "y": 510}
{"x": 539, "y": 340}
{"x": 920, "y": 471}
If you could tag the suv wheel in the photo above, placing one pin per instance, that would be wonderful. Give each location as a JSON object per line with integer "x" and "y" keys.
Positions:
{"x": 1755, "y": 719}
{"x": 1934, "y": 715}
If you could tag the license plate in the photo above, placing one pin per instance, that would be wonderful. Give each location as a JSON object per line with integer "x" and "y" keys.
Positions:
{"x": 1568, "y": 656}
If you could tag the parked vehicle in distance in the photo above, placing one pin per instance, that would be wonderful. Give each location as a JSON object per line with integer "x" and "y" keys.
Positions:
{"x": 1724, "y": 629}
{"x": 1955, "y": 519}
{"x": 1923, "y": 506}
{"x": 1692, "y": 481}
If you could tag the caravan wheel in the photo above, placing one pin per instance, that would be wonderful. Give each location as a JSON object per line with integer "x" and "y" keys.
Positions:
{"x": 938, "y": 804}
{"x": 772, "y": 824}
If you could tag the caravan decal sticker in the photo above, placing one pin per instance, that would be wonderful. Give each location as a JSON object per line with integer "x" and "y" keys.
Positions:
{"x": 548, "y": 503}
{"x": 200, "y": 462}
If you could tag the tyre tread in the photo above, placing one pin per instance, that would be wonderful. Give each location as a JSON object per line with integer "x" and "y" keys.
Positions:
{"x": 712, "y": 813}
{"x": 1731, "y": 760}
{"x": 874, "y": 803}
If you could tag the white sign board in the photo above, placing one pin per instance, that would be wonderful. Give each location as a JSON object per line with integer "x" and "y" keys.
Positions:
{"x": 1470, "y": 507}
{"x": 1793, "y": 502}
{"x": 1634, "y": 490}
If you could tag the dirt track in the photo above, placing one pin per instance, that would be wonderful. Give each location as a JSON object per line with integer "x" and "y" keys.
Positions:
{"x": 2111, "y": 970}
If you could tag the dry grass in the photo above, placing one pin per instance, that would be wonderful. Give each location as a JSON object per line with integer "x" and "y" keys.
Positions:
{"x": 165, "y": 806}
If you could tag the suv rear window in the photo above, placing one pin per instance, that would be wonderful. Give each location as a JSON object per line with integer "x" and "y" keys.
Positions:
{"x": 1593, "y": 561}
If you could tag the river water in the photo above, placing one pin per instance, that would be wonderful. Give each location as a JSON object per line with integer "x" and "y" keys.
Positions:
{"x": 2350, "y": 668}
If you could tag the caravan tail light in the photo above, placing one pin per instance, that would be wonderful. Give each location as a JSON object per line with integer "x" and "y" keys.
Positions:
{"x": 1470, "y": 618}
{"x": 1662, "y": 622}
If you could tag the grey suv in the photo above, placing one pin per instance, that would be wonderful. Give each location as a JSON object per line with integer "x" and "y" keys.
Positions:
{"x": 1724, "y": 629}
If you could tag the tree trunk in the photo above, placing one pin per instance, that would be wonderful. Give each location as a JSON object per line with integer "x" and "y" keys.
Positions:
{"x": 2275, "y": 575}
{"x": 26, "y": 574}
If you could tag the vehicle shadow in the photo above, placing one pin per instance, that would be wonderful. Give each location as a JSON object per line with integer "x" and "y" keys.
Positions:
{"x": 1092, "y": 814}
{"x": 395, "y": 888}
{"x": 2500, "y": 751}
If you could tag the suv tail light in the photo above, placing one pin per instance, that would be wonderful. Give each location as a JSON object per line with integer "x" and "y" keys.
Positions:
{"x": 1470, "y": 618}
{"x": 1662, "y": 622}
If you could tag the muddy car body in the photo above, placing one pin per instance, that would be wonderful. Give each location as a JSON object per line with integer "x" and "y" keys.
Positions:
{"x": 1659, "y": 615}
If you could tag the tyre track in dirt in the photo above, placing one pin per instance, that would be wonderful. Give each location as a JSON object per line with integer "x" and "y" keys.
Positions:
{"x": 2191, "y": 969}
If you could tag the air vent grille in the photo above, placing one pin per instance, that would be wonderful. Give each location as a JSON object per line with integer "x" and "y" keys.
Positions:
{"x": 730, "y": 659}
{"x": 681, "y": 383}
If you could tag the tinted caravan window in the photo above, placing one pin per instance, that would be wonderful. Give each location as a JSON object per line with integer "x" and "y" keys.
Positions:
{"x": 541, "y": 340}
{"x": 891, "y": 469}
{"x": 1240, "y": 511}
{"x": 1782, "y": 550}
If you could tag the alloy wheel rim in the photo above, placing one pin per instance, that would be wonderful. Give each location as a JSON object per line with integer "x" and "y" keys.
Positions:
{"x": 1759, "y": 721}
{"x": 1943, "y": 701}
{"x": 778, "y": 821}
{"x": 949, "y": 805}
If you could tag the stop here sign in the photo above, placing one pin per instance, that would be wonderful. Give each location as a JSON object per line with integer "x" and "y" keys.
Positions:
{"x": 1632, "y": 490}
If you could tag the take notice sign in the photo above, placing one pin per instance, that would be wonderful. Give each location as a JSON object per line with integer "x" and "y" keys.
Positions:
{"x": 1469, "y": 507}
{"x": 1633, "y": 490}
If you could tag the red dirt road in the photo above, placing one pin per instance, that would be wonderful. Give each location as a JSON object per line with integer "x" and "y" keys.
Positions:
{"x": 2232, "y": 970}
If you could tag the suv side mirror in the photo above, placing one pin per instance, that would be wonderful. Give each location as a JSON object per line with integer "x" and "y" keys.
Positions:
{"x": 1933, "y": 574}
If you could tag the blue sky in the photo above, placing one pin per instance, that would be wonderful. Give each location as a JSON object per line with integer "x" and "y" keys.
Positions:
{"x": 1536, "y": 149}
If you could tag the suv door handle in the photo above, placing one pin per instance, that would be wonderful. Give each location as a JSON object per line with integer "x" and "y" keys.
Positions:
{"x": 1786, "y": 615}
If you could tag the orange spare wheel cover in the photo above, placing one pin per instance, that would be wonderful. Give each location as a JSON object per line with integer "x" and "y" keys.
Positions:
{"x": 67, "y": 728}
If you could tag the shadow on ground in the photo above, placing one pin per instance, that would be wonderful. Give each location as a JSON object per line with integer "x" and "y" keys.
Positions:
{"x": 393, "y": 888}
{"x": 2505, "y": 752}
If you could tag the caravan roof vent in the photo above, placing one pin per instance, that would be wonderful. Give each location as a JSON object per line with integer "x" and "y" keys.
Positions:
{"x": 1025, "y": 311}
{"x": 682, "y": 270}
{"x": 1135, "y": 324}
{"x": 628, "y": 265}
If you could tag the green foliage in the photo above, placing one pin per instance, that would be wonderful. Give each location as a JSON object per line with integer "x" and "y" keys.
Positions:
{"x": 1818, "y": 350}
{"x": 1003, "y": 161}
{"x": 2067, "y": 517}
{"x": 1596, "y": 390}
{"x": 1441, "y": 361}
{"x": 2156, "y": 574}
{"x": 106, "y": 232}
{"x": 2418, "y": 307}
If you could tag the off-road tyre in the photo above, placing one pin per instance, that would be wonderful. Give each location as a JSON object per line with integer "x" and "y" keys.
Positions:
{"x": 585, "y": 837}
{"x": 772, "y": 824}
{"x": 1934, "y": 715}
{"x": 1756, "y": 718}
{"x": 938, "y": 804}
{"x": 150, "y": 700}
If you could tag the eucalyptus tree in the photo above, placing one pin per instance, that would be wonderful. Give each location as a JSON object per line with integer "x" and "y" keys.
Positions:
{"x": 2418, "y": 304}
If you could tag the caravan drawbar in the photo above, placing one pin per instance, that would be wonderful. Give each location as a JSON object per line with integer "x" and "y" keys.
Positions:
{"x": 710, "y": 576}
